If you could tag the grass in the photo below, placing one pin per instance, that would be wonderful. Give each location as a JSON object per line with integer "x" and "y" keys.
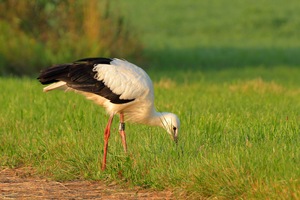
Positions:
{"x": 239, "y": 138}
{"x": 231, "y": 73}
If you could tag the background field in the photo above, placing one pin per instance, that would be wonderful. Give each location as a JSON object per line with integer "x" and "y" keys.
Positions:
{"x": 230, "y": 72}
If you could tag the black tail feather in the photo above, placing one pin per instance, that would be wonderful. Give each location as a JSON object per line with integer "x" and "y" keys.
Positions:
{"x": 54, "y": 73}
{"x": 61, "y": 72}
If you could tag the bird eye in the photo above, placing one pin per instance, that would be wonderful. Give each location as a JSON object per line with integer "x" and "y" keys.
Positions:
{"x": 174, "y": 128}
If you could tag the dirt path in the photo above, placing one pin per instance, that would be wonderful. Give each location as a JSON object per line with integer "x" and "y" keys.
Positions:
{"x": 21, "y": 184}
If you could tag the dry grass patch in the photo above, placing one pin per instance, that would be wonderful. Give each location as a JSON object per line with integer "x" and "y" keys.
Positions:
{"x": 258, "y": 86}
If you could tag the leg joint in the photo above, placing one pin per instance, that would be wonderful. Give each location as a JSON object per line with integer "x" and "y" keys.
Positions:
{"x": 122, "y": 126}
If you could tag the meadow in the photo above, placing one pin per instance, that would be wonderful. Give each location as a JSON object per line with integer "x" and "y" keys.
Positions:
{"x": 231, "y": 73}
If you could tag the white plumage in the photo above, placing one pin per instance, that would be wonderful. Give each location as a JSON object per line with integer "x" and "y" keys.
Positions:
{"x": 117, "y": 85}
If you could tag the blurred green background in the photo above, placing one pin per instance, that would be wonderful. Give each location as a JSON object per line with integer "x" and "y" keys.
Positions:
{"x": 165, "y": 34}
{"x": 38, "y": 33}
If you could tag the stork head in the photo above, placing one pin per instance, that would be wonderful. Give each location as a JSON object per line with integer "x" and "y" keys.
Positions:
{"x": 170, "y": 122}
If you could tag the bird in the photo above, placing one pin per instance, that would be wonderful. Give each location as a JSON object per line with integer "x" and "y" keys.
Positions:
{"x": 119, "y": 86}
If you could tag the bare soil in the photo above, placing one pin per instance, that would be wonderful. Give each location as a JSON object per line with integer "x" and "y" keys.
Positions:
{"x": 23, "y": 184}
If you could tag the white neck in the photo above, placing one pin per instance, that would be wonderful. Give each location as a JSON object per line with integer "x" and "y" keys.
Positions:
{"x": 156, "y": 119}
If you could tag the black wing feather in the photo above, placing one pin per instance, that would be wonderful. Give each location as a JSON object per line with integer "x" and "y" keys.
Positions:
{"x": 80, "y": 76}
{"x": 95, "y": 60}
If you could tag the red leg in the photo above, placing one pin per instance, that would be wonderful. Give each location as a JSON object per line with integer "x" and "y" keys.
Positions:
{"x": 106, "y": 137}
{"x": 122, "y": 132}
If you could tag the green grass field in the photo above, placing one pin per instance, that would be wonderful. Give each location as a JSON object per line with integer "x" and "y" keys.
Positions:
{"x": 230, "y": 73}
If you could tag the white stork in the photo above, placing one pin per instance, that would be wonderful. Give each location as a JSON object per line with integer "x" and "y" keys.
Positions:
{"x": 117, "y": 85}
